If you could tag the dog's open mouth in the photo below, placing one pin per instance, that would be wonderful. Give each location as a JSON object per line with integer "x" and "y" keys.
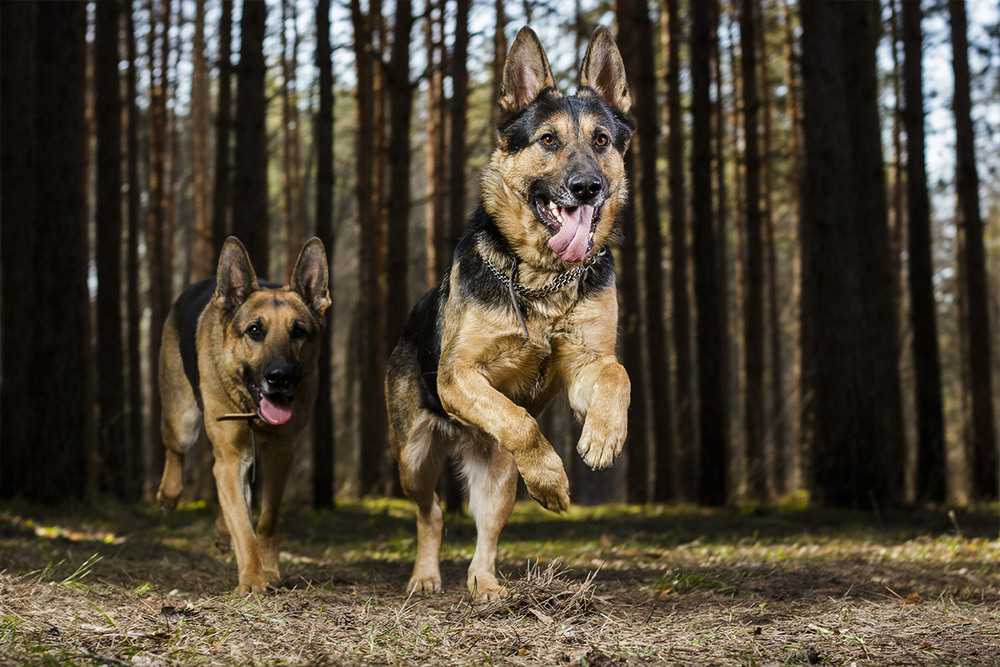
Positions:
{"x": 572, "y": 227}
{"x": 275, "y": 409}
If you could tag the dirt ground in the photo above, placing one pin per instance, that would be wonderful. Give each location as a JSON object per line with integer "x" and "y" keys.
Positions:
{"x": 599, "y": 586}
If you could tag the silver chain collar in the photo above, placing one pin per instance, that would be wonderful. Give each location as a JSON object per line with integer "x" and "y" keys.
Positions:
{"x": 561, "y": 281}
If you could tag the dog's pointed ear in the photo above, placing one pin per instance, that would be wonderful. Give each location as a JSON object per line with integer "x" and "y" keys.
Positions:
{"x": 525, "y": 74}
{"x": 235, "y": 278}
{"x": 604, "y": 71}
{"x": 311, "y": 276}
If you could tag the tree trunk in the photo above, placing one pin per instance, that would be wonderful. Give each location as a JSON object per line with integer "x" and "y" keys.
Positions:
{"x": 58, "y": 466}
{"x": 458, "y": 64}
{"x": 374, "y": 448}
{"x": 203, "y": 253}
{"x": 294, "y": 231}
{"x": 931, "y": 457}
{"x": 323, "y": 421}
{"x": 753, "y": 316}
{"x": 398, "y": 206}
{"x": 439, "y": 248}
{"x": 17, "y": 244}
{"x": 220, "y": 194}
{"x": 977, "y": 358}
{"x": 711, "y": 338}
{"x": 499, "y": 55}
{"x": 879, "y": 396}
{"x": 250, "y": 194}
{"x": 684, "y": 445}
{"x": 108, "y": 192}
{"x": 134, "y": 471}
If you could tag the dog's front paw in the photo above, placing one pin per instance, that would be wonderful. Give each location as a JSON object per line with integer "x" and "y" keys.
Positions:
{"x": 258, "y": 587}
{"x": 423, "y": 584}
{"x": 601, "y": 441}
{"x": 486, "y": 588}
{"x": 546, "y": 480}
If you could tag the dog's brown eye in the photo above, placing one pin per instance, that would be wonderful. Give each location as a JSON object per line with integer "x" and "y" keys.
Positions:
{"x": 255, "y": 332}
{"x": 548, "y": 140}
{"x": 299, "y": 332}
{"x": 602, "y": 140}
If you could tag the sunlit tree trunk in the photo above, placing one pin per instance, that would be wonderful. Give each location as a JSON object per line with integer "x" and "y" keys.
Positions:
{"x": 438, "y": 246}
{"x": 977, "y": 353}
{"x": 203, "y": 254}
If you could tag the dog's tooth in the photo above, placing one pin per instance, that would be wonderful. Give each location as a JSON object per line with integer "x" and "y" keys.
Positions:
{"x": 591, "y": 237}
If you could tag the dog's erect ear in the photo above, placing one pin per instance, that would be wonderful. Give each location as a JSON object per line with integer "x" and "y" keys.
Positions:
{"x": 311, "y": 277}
{"x": 235, "y": 279}
{"x": 604, "y": 71}
{"x": 525, "y": 74}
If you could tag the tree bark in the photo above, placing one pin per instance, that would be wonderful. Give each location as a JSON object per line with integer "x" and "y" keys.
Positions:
{"x": 438, "y": 247}
{"x": 220, "y": 194}
{"x": 324, "y": 461}
{"x": 108, "y": 191}
{"x": 931, "y": 457}
{"x": 458, "y": 65}
{"x": 977, "y": 357}
{"x": 753, "y": 315}
{"x": 250, "y": 193}
{"x": 203, "y": 254}
{"x": 17, "y": 242}
{"x": 711, "y": 337}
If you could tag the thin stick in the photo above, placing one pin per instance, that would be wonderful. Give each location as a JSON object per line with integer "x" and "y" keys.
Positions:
{"x": 236, "y": 415}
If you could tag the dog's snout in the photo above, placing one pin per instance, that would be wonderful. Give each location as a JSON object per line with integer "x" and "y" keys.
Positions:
{"x": 280, "y": 379}
{"x": 585, "y": 187}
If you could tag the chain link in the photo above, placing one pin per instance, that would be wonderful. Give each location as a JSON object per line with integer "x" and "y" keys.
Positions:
{"x": 561, "y": 281}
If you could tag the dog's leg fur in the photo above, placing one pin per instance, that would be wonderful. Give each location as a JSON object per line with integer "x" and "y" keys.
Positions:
{"x": 492, "y": 477}
{"x": 232, "y": 464}
{"x": 276, "y": 460}
{"x": 180, "y": 422}
{"x": 599, "y": 388}
{"x": 420, "y": 461}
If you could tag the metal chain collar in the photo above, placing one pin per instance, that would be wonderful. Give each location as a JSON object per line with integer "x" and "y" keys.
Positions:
{"x": 561, "y": 281}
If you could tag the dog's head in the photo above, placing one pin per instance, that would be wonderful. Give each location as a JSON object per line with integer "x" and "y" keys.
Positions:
{"x": 272, "y": 333}
{"x": 556, "y": 182}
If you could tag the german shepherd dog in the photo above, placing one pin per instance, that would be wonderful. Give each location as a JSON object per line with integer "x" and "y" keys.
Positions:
{"x": 528, "y": 308}
{"x": 239, "y": 358}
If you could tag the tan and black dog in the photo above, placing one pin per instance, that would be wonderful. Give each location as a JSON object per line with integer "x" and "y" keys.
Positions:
{"x": 232, "y": 345}
{"x": 528, "y": 308}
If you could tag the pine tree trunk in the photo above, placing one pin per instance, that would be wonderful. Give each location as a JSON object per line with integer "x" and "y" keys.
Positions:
{"x": 108, "y": 191}
{"x": 250, "y": 194}
{"x": 457, "y": 209}
{"x": 439, "y": 248}
{"x": 753, "y": 316}
{"x": 134, "y": 470}
{"x": 220, "y": 194}
{"x": 931, "y": 458}
{"x": 978, "y": 355}
{"x": 17, "y": 243}
{"x": 323, "y": 422}
{"x": 710, "y": 336}
{"x": 203, "y": 254}
{"x": 58, "y": 467}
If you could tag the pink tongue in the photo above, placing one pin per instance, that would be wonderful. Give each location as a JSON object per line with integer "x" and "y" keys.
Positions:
{"x": 572, "y": 240}
{"x": 275, "y": 411}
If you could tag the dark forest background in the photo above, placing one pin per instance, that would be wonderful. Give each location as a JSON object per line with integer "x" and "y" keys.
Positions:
{"x": 808, "y": 278}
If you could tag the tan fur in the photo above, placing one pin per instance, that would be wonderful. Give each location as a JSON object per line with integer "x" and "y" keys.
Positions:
{"x": 223, "y": 352}
{"x": 491, "y": 377}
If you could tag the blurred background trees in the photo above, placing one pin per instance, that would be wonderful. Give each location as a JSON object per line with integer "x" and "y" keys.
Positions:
{"x": 809, "y": 275}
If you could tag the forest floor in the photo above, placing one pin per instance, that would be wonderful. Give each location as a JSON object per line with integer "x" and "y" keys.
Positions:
{"x": 598, "y": 586}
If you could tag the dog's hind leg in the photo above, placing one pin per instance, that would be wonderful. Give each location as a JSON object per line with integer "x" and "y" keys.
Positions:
{"x": 492, "y": 477}
{"x": 420, "y": 459}
{"x": 180, "y": 420}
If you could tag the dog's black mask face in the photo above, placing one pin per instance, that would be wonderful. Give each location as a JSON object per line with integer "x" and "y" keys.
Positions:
{"x": 557, "y": 179}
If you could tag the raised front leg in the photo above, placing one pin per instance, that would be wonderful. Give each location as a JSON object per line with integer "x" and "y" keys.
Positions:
{"x": 602, "y": 392}
{"x": 469, "y": 397}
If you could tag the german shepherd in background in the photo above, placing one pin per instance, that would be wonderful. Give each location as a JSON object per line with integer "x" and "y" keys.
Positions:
{"x": 233, "y": 345}
{"x": 527, "y": 308}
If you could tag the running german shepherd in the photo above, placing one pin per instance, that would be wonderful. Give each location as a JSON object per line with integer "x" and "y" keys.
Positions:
{"x": 528, "y": 308}
{"x": 239, "y": 357}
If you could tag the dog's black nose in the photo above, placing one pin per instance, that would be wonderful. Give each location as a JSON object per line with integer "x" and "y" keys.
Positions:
{"x": 280, "y": 379}
{"x": 585, "y": 187}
